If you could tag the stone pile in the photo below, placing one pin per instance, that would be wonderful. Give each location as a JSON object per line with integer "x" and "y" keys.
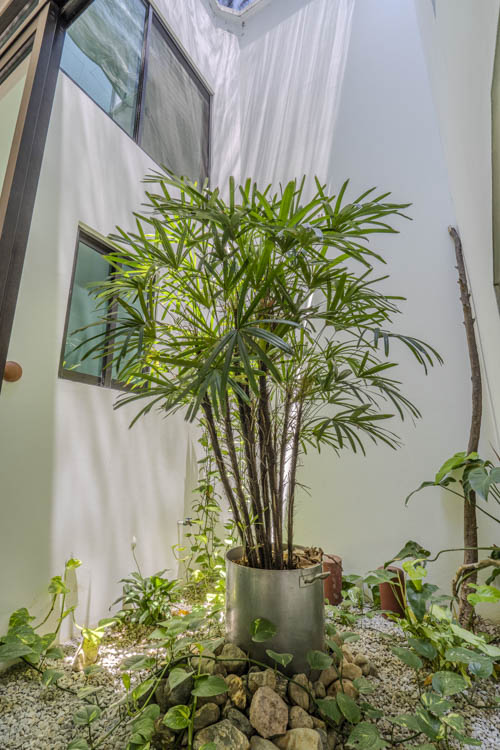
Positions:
{"x": 261, "y": 709}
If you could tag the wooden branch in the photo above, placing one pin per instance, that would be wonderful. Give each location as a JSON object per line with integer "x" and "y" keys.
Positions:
{"x": 470, "y": 515}
{"x": 471, "y": 568}
{"x": 293, "y": 481}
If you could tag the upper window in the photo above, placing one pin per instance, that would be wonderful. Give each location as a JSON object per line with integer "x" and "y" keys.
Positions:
{"x": 121, "y": 55}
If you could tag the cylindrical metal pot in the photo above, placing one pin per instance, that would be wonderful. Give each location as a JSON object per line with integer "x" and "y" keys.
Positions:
{"x": 291, "y": 599}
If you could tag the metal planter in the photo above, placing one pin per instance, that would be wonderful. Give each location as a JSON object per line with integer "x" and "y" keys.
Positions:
{"x": 291, "y": 599}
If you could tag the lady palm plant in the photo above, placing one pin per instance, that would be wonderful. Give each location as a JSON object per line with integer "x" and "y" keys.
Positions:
{"x": 260, "y": 315}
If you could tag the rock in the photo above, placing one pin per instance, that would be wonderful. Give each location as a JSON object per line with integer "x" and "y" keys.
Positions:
{"x": 206, "y": 715}
{"x": 164, "y": 738}
{"x": 361, "y": 660}
{"x": 281, "y": 685}
{"x": 208, "y": 665}
{"x": 347, "y": 687}
{"x": 328, "y": 676}
{"x": 297, "y": 694}
{"x": 299, "y": 719}
{"x": 323, "y": 737}
{"x": 347, "y": 653}
{"x": 267, "y": 678}
{"x": 366, "y": 669}
{"x": 351, "y": 671}
{"x": 268, "y": 713}
{"x": 299, "y": 739}
{"x": 224, "y": 735}
{"x": 332, "y": 739}
{"x": 319, "y": 689}
{"x": 318, "y": 723}
{"x": 166, "y": 698}
{"x": 236, "y": 692}
{"x": 258, "y": 743}
{"x": 239, "y": 720}
{"x": 230, "y": 658}
{"x": 218, "y": 699}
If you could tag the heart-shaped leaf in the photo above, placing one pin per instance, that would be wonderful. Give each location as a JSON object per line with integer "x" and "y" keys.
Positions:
{"x": 283, "y": 659}
{"x": 328, "y": 708}
{"x": 177, "y": 676}
{"x": 207, "y": 686}
{"x": 349, "y": 708}
{"x": 435, "y": 703}
{"x": 365, "y": 736}
{"x": 177, "y": 717}
{"x": 408, "y": 657}
{"x": 423, "y": 647}
{"x": 50, "y": 676}
{"x": 363, "y": 686}
{"x": 319, "y": 660}
{"x": 448, "y": 683}
{"x": 262, "y": 630}
{"x": 86, "y": 715}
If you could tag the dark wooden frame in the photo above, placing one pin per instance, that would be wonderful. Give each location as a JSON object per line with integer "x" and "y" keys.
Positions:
{"x": 495, "y": 158}
{"x": 45, "y": 25}
{"x": 43, "y": 31}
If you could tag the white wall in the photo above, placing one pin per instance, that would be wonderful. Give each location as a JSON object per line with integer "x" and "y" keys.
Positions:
{"x": 382, "y": 130}
{"x": 75, "y": 480}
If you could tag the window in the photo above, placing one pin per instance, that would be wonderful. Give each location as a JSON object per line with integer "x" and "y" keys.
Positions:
{"x": 121, "y": 55}
{"x": 90, "y": 267}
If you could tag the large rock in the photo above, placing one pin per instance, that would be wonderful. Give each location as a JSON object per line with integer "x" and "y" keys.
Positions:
{"x": 299, "y": 739}
{"x": 206, "y": 715}
{"x": 328, "y": 676}
{"x": 230, "y": 657}
{"x": 298, "y": 694}
{"x": 236, "y": 691}
{"x": 207, "y": 664}
{"x": 267, "y": 678}
{"x": 300, "y": 719}
{"x": 180, "y": 695}
{"x": 351, "y": 671}
{"x": 347, "y": 653}
{"x": 347, "y": 687}
{"x": 319, "y": 689}
{"x": 361, "y": 660}
{"x": 239, "y": 720}
{"x": 268, "y": 713}
{"x": 224, "y": 735}
{"x": 258, "y": 743}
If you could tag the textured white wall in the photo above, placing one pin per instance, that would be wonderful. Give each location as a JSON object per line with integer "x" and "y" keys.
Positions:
{"x": 459, "y": 43}
{"x": 75, "y": 480}
{"x": 383, "y": 130}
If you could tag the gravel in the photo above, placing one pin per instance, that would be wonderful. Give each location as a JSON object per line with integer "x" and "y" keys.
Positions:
{"x": 33, "y": 717}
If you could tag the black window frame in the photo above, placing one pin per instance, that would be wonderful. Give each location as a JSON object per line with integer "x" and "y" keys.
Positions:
{"x": 153, "y": 16}
{"x": 99, "y": 244}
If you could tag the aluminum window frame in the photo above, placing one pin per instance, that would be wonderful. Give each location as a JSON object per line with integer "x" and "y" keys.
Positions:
{"x": 153, "y": 15}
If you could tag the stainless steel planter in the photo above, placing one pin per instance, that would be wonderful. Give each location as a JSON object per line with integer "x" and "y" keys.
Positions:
{"x": 291, "y": 599}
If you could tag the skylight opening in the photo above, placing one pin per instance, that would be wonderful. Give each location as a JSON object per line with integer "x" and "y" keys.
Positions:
{"x": 236, "y": 4}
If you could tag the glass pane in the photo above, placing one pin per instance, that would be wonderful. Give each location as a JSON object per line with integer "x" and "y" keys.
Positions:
{"x": 102, "y": 54}
{"x": 235, "y": 4}
{"x": 175, "y": 119}
{"x": 11, "y": 91}
{"x": 91, "y": 266}
{"x": 133, "y": 301}
{"x": 17, "y": 21}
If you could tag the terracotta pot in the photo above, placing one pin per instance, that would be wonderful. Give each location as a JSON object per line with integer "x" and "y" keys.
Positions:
{"x": 12, "y": 371}
{"x": 333, "y": 584}
{"x": 393, "y": 595}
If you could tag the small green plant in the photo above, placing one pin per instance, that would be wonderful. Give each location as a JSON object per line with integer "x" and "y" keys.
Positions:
{"x": 204, "y": 554}
{"x": 148, "y": 600}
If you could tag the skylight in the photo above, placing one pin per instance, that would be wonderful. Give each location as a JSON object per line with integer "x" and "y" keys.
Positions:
{"x": 236, "y": 4}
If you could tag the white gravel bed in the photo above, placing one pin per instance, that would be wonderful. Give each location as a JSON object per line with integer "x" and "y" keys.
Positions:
{"x": 33, "y": 717}
{"x": 396, "y": 688}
